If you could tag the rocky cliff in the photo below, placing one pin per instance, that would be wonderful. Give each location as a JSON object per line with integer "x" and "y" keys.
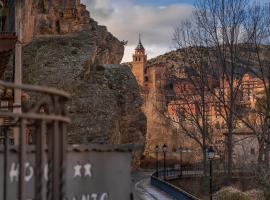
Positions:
{"x": 47, "y": 17}
{"x": 68, "y": 50}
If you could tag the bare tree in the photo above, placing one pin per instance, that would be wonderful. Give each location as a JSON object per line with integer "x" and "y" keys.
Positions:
{"x": 217, "y": 27}
{"x": 257, "y": 31}
{"x": 191, "y": 104}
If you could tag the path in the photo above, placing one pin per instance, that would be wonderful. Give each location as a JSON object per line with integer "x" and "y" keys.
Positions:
{"x": 143, "y": 190}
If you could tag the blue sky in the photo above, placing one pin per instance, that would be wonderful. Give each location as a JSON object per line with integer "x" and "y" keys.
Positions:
{"x": 154, "y": 19}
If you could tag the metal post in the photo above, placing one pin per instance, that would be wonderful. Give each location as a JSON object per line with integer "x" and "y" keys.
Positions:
{"x": 18, "y": 64}
{"x": 63, "y": 160}
{"x": 22, "y": 157}
{"x": 211, "y": 188}
{"x": 164, "y": 164}
{"x": 181, "y": 164}
{"x": 56, "y": 163}
{"x": 40, "y": 157}
{"x": 157, "y": 163}
{"x": 6, "y": 142}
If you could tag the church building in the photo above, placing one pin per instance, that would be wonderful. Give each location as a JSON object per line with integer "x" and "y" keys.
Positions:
{"x": 139, "y": 64}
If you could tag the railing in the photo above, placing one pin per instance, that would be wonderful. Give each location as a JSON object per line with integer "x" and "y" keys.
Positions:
{"x": 161, "y": 178}
{"x": 43, "y": 117}
{"x": 170, "y": 189}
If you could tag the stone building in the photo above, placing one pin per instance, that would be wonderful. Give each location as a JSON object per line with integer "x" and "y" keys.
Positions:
{"x": 152, "y": 79}
{"x": 139, "y": 64}
{"x": 172, "y": 90}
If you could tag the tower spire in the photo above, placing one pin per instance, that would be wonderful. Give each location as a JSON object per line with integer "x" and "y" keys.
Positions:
{"x": 140, "y": 46}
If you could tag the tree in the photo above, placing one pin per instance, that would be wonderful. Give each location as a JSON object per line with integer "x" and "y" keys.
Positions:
{"x": 257, "y": 32}
{"x": 218, "y": 27}
{"x": 191, "y": 105}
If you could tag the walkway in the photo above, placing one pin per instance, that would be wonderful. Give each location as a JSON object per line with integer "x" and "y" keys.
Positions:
{"x": 144, "y": 191}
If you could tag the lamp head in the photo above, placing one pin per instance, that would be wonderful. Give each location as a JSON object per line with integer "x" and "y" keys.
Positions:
{"x": 157, "y": 148}
{"x": 164, "y": 148}
{"x": 210, "y": 153}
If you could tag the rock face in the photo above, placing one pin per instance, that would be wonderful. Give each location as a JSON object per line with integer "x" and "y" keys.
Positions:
{"x": 105, "y": 104}
{"x": 51, "y": 17}
{"x": 66, "y": 49}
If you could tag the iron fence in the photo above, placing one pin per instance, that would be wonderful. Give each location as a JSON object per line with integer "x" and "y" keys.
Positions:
{"x": 43, "y": 117}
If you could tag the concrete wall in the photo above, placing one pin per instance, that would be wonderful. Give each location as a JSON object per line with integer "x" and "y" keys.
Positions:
{"x": 90, "y": 175}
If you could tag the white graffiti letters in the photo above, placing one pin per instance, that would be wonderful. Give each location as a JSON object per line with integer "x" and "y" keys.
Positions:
{"x": 46, "y": 171}
{"x": 77, "y": 170}
{"x": 87, "y": 170}
{"x": 104, "y": 196}
{"x": 14, "y": 172}
{"x": 93, "y": 196}
{"x": 30, "y": 170}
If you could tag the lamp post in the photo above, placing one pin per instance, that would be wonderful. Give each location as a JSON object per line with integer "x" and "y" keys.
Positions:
{"x": 157, "y": 150}
{"x": 210, "y": 155}
{"x": 164, "y": 149}
{"x": 180, "y": 151}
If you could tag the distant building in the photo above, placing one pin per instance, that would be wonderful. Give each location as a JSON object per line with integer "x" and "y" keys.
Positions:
{"x": 245, "y": 147}
{"x": 139, "y": 64}
{"x": 179, "y": 95}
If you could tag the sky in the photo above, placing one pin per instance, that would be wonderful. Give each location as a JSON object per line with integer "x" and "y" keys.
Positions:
{"x": 154, "y": 19}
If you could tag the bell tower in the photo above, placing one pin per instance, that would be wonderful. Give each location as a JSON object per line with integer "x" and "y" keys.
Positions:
{"x": 139, "y": 63}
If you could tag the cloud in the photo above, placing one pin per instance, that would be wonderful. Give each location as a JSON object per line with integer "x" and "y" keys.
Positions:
{"x": 125, "y": 20}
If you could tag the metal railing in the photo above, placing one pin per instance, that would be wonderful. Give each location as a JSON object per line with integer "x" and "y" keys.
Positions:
{"x": 44, "y": 116}
{"x": 161, "y": 178}
{"x": 170, "y": 189}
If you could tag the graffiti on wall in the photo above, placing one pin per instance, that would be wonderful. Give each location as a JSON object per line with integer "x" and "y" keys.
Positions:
{"x": 88, "y": 175}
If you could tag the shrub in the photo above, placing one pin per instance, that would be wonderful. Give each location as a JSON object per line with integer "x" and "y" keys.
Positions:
{"x": 230, "y": 193}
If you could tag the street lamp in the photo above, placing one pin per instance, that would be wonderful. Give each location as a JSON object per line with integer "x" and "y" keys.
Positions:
{"x": 157, "y": 150}
{"x": 210, "y": 155}
{"x": 180, "y": 151}
{"x": 164, "y": 149}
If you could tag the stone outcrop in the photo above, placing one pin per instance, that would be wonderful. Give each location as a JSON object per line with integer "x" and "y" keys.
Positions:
{"x": 47, "y": 17}
{"x": 64, "y": 48}
{"x": 105, "y": 104}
